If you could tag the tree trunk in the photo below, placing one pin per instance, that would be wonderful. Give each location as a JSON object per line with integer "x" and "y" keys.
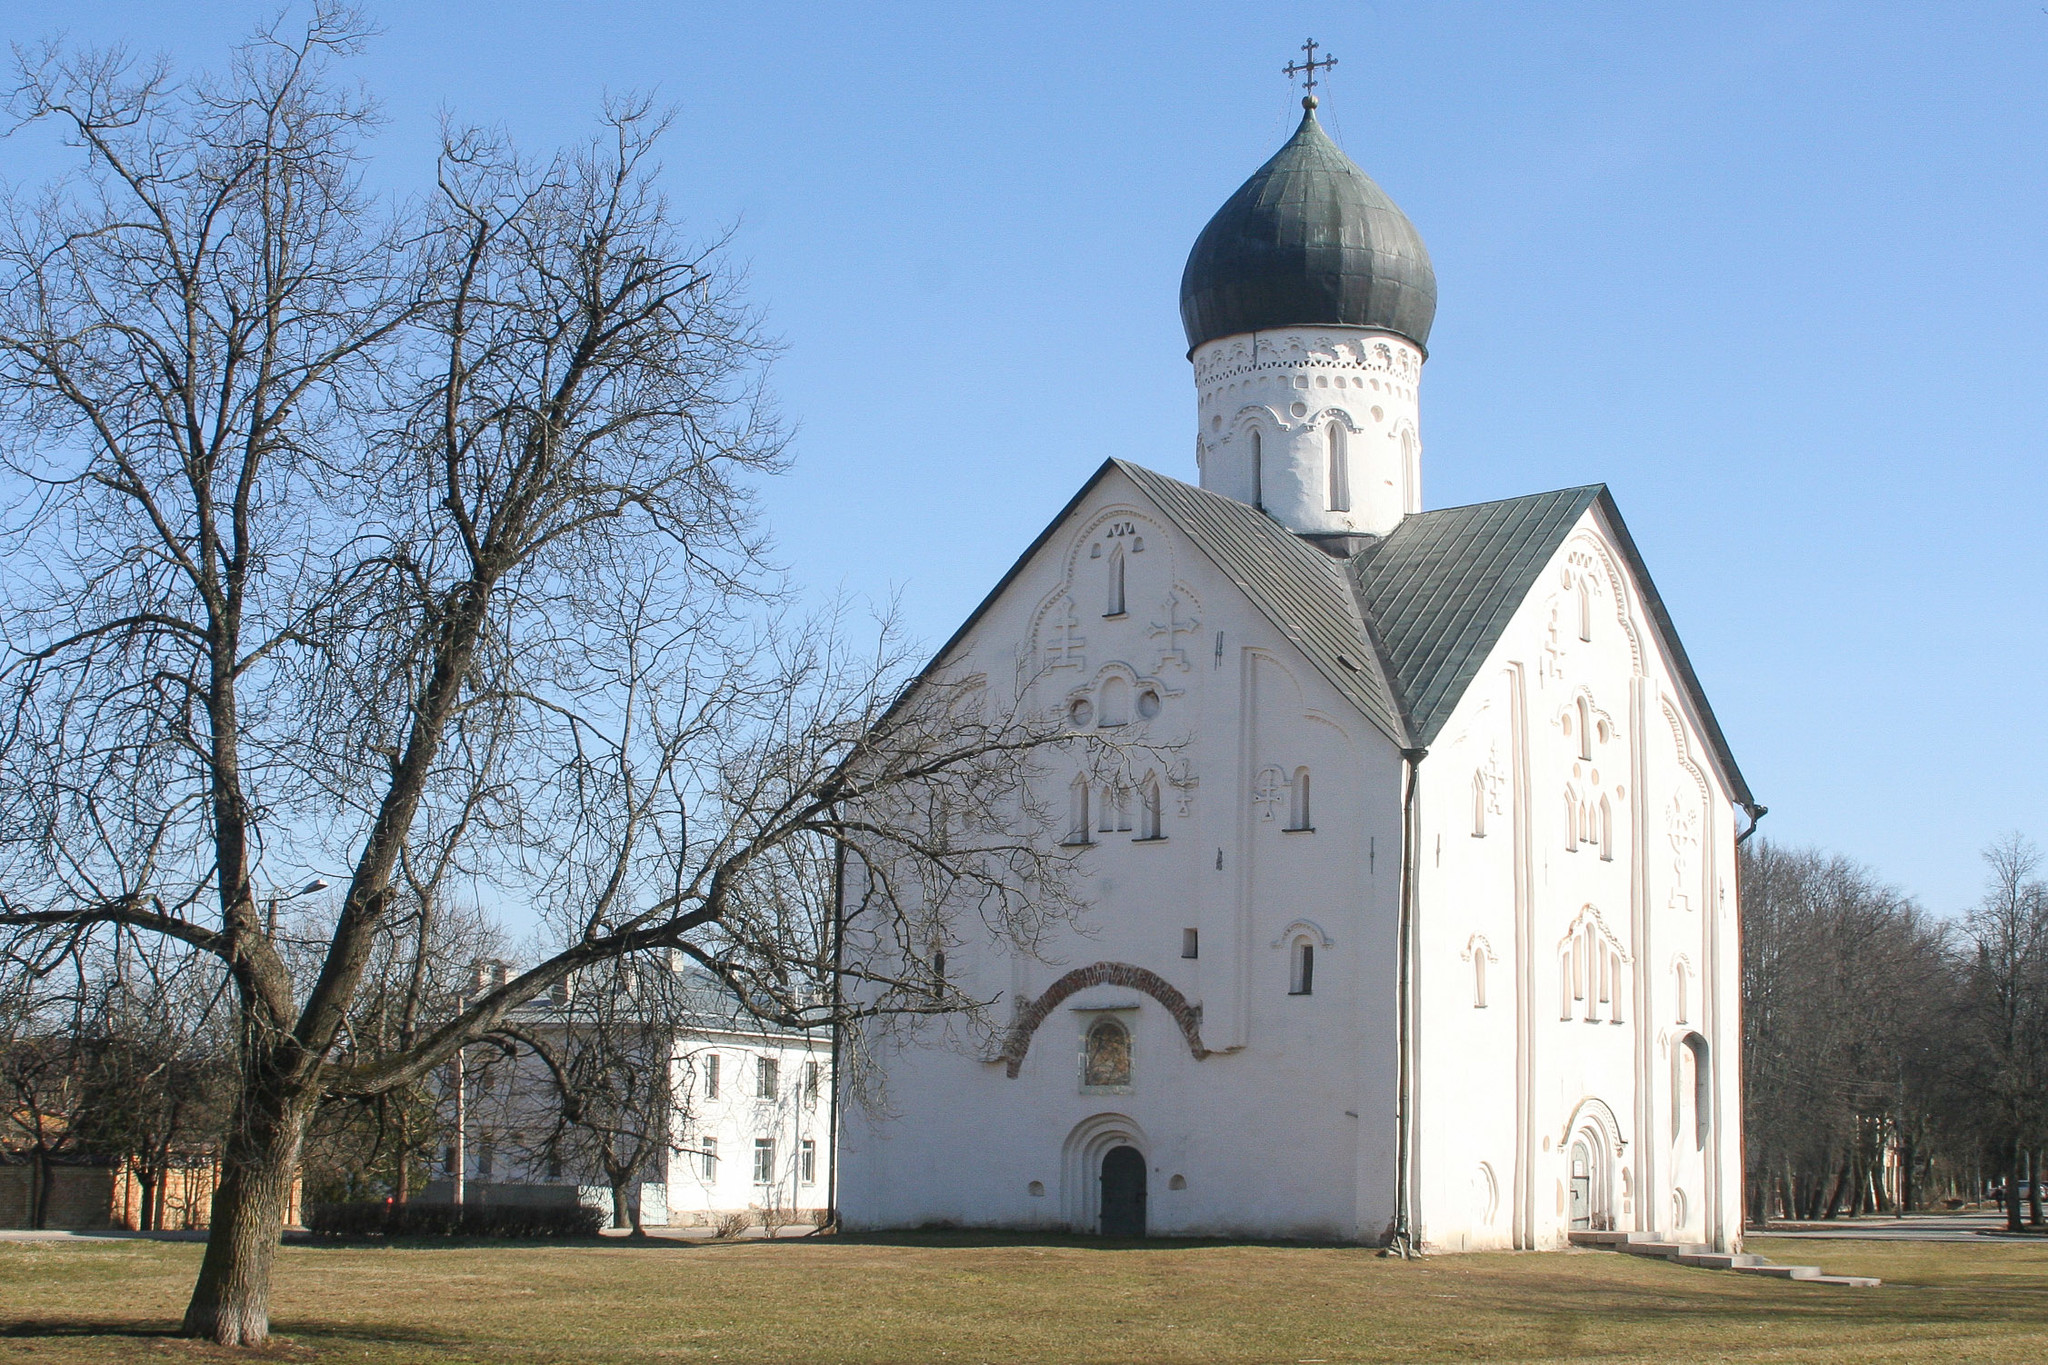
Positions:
{"x": 622, "y": 1215}
{"x": 2034, "y": 1190}
{"x": 2011, "y": 1158}
{"x": 1835, "y": 1195}
{"x": 231, "y": 1303}
{"x": 146, "y": 1181}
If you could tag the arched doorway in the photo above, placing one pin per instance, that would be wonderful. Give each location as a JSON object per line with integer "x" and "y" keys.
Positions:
{"x": 1581, "y": 1186}
{"x": 1123, "y": 1192}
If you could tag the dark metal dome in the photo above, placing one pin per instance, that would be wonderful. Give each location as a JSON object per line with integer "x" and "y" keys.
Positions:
{"x": 1308, "y": 239}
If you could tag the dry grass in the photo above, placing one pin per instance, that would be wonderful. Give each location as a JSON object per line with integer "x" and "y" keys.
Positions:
{"x": 966, "y": 1298}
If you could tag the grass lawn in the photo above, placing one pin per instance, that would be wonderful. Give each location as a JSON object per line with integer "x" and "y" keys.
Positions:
{"x": 956, "y": 1297}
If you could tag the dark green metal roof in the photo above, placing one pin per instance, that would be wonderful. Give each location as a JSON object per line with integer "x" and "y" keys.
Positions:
{"x": 1298, "y": 587}
{"x": 1444, "y": 585}
{"x": 1403, "y": 627}
{"x": 1308, "y": 240}
{"x": 1441, "y": 589}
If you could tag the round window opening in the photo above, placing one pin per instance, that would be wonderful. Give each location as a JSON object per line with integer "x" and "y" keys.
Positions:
{"x": 1081, "y": 711}
{"x": 1148, "y": 703}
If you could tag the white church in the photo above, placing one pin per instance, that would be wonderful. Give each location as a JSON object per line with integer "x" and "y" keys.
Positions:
{"x": 1427, "y": 933}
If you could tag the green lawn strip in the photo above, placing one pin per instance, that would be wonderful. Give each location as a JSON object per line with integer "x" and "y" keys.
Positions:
{"x": 1011, "y": 1299}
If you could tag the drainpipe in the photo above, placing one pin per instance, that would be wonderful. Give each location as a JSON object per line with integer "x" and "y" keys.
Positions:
{"x": 1756, "y": 814}
{"x": 1403, "y": 1242}
{"x": 832, "y": 1104}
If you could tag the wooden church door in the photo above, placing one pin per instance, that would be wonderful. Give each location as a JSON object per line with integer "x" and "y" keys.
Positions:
{"x": 1582, "y": 1186}
{"x": 1123, "y": 1193}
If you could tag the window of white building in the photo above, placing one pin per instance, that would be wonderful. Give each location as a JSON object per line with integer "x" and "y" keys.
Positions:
{"x": 711, "y": 1076}
{"x": 707, "y": 1157}
{"x": 1340, "y": 470}
{"x": 808, "y": 1162}
{"x": 765, "y": 1078}
{"x": 1302, "y": 973}
{"x": 764, "y": 1161}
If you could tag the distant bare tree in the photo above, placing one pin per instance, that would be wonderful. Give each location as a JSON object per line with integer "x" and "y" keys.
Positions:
{"x": 1843, "y": 981}
{"x": 2001, "y": 1047}
{"x": 344, "y": 535}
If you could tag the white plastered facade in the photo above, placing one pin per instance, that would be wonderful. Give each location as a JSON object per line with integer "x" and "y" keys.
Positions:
{"x": 1577, "y": 964}
{"x": 1573, "y": 834}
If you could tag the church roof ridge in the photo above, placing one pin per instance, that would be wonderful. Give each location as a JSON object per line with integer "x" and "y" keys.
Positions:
{"x": 1439, "y": 590}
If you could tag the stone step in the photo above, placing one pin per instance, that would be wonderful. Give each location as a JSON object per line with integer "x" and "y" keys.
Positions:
{"x": 1659, "y": 1245}
{"x": 1779, "y": 1272}
{"x": 1719, "y": 1260}
{"x": 1668, "y": 1250}
{"x": 1615, "y": 1239}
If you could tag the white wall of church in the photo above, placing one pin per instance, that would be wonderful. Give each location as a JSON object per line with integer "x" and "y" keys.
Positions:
{"x": 1317, "y": 425}
{"x": 1283, "y": 1124}
{"x": 1576, "y": 844}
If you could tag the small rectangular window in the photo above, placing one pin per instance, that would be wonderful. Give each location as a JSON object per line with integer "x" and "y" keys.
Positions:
{"x": 484, "y": 1159}
{"x": 1190, "y": 943}
{"x": 764, "y": 1160}
{"x": 1304, "y": 974}
{"x": 711, "y": 1077}
{"x": 554, "y": 1165}
{"x": 809, "y": 1160}
{"x": 811, "y": 1075}
{"x": 707, "y": 1156}
{"x": 765, "y": 1079}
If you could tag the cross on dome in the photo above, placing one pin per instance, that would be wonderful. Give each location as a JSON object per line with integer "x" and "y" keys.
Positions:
{"x": 1307, "y": 70}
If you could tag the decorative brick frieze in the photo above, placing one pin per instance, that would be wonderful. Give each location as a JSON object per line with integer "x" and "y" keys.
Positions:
{"x": 1187, "y": 1016}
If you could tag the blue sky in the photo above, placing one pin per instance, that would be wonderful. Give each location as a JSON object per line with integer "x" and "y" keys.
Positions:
{"x": 1774, "y": 272}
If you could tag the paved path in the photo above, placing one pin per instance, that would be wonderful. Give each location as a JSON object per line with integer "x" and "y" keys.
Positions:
{"x": 1914, "y": 1227}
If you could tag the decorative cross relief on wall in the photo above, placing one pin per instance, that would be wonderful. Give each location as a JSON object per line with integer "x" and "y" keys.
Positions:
{"x": 1065, "y": 646}
{"x": 1269, "y": 789}
{"x": 1682, "y": 828}
{"x": 1177, "y": 624}
{"x": 1493, "y": 780}
{"x": 1551, "y": 664}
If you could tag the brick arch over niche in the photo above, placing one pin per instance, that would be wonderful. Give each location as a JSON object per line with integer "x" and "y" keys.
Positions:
{"x": 1101, "y": 974}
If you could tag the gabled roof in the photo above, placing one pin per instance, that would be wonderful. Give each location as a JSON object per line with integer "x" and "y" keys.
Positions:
{"x": 1300, "y": 588}
{"x": 1444, "y": 585}
{"x": 1403, "y": 627}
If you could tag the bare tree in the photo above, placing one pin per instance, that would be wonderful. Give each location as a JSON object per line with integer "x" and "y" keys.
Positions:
{"x": 325, "y": 518}
{"x": 2002, "y": 1042}
{"x": 1843, "y": 986}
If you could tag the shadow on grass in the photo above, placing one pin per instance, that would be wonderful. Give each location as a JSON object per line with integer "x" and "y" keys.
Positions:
{"x": 1084, "y": 1241}
{"x": 284, "y": 1334}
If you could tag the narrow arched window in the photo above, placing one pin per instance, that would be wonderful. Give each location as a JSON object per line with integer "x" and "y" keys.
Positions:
{"x": 1478, "y": 977}
{"x": 1077, "y": 807}
{"x": 1585, "y": 729}
{"x": 1106, "y": 1055}
{"x": 938, "y": 980}
{"x": 1120, "y": 798}
{"x": 1258, "y": 471}
{"x": 1606, "y": 831}
{"x": 1115, "y": 706}
{"x": 1297, "y": 801}
{"x": 1478, "y": 805}
{"x": 1340, "y": 470}
{"x": 1302, "y": 976}
{"x": 1585, "y": 610}
{"x": 1116, "y": 583}
{"x": 1571, "y": 821}
{"x": 1148, "y": 810}
{"x": 1679, "y": 974}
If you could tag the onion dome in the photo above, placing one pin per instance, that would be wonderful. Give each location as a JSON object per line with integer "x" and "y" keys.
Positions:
{"x": 1308, "y": 240}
